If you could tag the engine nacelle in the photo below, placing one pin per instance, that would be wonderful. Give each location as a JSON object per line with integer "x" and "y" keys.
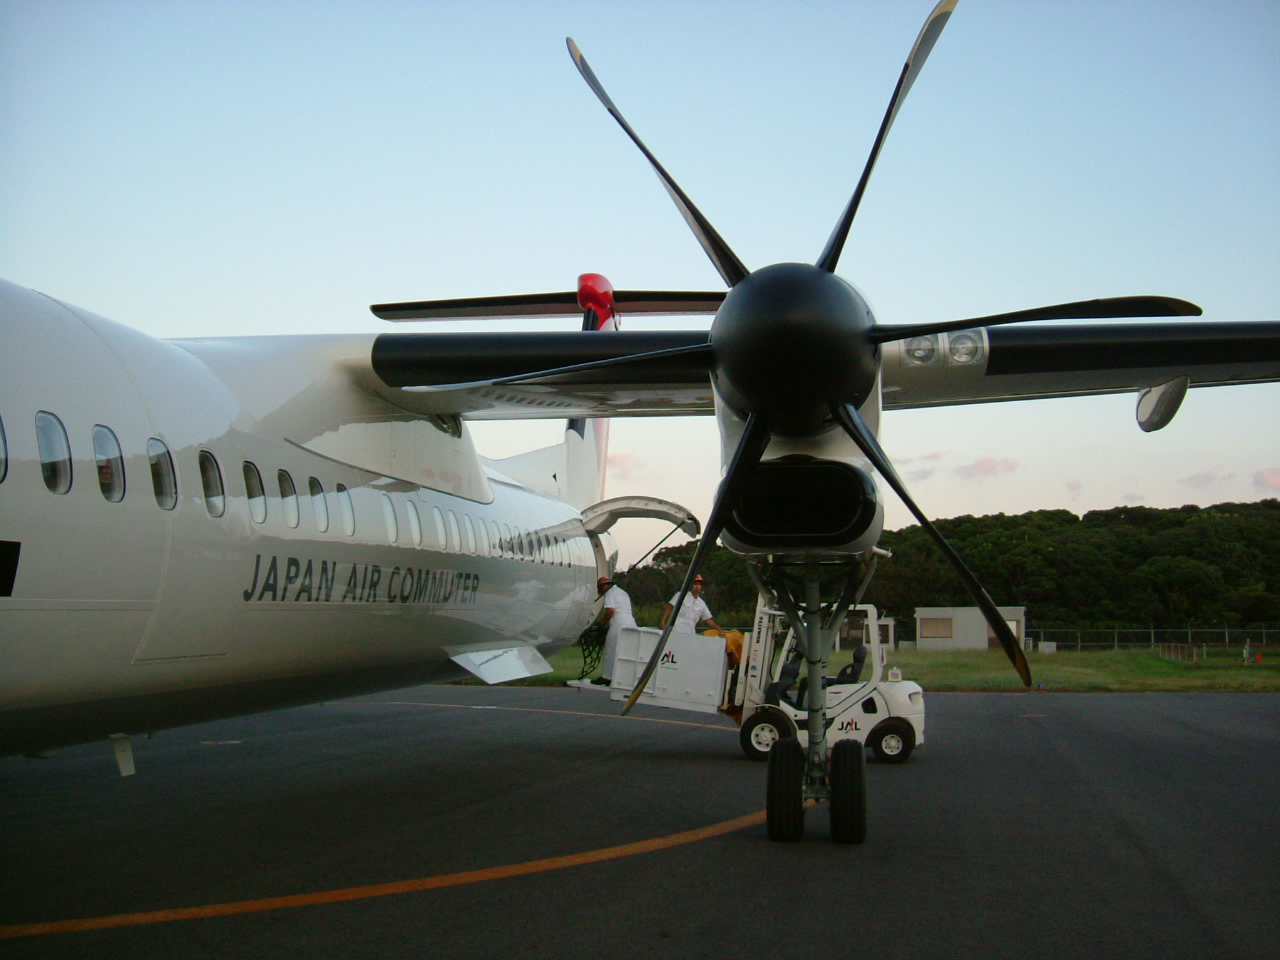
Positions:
{"x": 799, "y": 503}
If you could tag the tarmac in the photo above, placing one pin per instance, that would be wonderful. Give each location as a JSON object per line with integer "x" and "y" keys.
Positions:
{"x": 459, "y": 821}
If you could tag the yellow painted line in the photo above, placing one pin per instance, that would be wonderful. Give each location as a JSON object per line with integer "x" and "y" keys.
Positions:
{"x": 382, "y": 889}
{"x": 567, "y": 713}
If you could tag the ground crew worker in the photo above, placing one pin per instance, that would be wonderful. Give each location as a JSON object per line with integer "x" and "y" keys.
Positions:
{"x": 617, "y": 614}
{"x": 693, "y": 611}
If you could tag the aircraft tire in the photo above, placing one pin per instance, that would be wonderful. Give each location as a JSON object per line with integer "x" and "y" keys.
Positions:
{"x": 848, "y": 792}
{"x": 761, "y": 731}
{"x": 785, "y": 796}
{"x": 892, "y": 741}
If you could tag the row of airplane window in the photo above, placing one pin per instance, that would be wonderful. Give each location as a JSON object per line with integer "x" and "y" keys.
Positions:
{"x": 55, "y": 461}
{"x": 479, "y": 538}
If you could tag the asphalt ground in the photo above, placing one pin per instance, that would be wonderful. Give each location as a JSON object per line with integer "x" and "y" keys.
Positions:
{"x": 1037, "y": 825}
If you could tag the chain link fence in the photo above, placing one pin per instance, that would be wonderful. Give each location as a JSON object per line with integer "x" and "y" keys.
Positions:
{"x": 1181, "y": 643}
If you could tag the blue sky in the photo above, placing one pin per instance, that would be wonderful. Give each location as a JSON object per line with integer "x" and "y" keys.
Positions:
{"x": 238, "y": 168}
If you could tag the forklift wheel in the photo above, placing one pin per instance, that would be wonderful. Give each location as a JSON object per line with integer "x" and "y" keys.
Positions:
{"x": 785, "y": 797}
{"x": 848, "y": 792}
{"x": 892, "y": 741}
{"x": 761, "y": 731}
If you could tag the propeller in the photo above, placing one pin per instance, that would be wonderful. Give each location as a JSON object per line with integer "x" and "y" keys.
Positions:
{"x": 792, "y": 345}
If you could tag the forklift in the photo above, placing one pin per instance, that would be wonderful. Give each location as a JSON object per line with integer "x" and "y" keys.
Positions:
{"x": 765, "y": 693}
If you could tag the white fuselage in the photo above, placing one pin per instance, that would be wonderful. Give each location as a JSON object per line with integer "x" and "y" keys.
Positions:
{"x": 125, "y": 616}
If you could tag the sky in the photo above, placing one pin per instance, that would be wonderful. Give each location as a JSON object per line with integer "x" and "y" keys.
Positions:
{"x": 198, "y": 169}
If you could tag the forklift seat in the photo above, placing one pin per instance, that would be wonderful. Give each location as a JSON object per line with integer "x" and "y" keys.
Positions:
{"x": 852, "y": 672}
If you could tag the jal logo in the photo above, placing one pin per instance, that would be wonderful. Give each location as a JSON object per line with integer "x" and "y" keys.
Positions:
{"x": 668, "y": 659}
{"x": 848, "y": 726}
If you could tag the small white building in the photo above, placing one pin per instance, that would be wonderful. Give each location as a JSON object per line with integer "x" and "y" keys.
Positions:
{"x": 964, "y": 628}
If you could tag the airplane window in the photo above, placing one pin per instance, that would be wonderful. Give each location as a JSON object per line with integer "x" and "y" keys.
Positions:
{"x": 55, "y": 452}
{"x": 482, "y": 534}
{"x": 288, "y": 497}
{"x": 508, "y": 547}
{"x": 253, "y": 490}
{"x": 106, "y": 450}
{"x": 389, "y": 515}
{"x": 415, "y": 523}
{"x": 439, "y": 528}
{"x": 495, "y": 538}
{"x": 455, "y": 539}
{"x": 348, "y": 510}
{"x": 470, "y": 531}
{"x": 163, "y": 480}
{"x": 319, "y": 505}
{"x": 215, "y": 500}
{"x": 4, "y": 454}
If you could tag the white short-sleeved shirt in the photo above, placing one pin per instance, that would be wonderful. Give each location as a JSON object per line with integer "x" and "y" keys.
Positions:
{"x": 616, "y": 599}
{"x": 689, "y": 614}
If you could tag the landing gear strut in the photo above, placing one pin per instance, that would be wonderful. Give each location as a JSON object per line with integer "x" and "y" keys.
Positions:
{"x": 797, "y": 775}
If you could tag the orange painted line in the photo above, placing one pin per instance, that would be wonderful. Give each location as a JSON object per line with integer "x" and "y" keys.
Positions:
{"x": 382, "y": 889}
{"x": 567, "y": 713}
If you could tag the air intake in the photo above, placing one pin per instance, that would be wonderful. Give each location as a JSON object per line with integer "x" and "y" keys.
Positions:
{"x": 799, "y": 502}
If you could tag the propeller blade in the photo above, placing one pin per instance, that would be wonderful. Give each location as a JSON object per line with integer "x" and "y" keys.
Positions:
{"x": 750, "y": 448}
{"x": 910, "y": 70}
{"x": 724, "y": 259}
{"x": 1107, "y": 308}
{"x": 866, "y": 440}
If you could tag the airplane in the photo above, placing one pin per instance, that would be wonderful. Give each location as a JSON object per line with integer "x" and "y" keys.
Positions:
{"x": 194, "y": 529}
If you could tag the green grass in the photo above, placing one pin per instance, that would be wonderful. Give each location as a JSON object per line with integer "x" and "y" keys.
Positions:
{"x": 1114, "y": 671}
{"x": 1093, "y": 671}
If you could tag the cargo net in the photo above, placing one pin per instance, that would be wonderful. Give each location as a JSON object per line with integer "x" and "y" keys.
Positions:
{"x": 591, "y": 640}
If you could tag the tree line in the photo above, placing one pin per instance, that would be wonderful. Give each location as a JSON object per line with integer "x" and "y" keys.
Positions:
{"x": 1127, "y": 566}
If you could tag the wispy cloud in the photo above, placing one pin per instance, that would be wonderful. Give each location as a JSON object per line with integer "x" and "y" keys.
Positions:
{"x": 1206, "y": 480}
{"x": 623, "y": 465}
{"x": 1267, "y": 479}
{"x": 926, "y": 458}
{"x": 1134, "y": 497}
{"x": 919, "y": 476}
{"x": 1074, "y": 487}
{"x": 986, "y": 467}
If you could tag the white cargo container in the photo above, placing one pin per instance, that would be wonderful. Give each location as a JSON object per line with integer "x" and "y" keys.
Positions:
{"x": 690, "y": 675}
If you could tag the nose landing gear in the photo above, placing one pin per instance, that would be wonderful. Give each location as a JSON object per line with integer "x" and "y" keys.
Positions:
{"x": 796, "y": 776}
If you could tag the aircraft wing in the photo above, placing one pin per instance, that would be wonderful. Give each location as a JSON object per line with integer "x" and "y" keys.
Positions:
{"x": 1023, "y": 362}
{"x": 484, "y": 376}
{"x": 479, "y": 375}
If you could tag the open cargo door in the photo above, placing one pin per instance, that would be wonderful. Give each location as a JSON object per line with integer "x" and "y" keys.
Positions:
{"x": 599, "y": 518}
